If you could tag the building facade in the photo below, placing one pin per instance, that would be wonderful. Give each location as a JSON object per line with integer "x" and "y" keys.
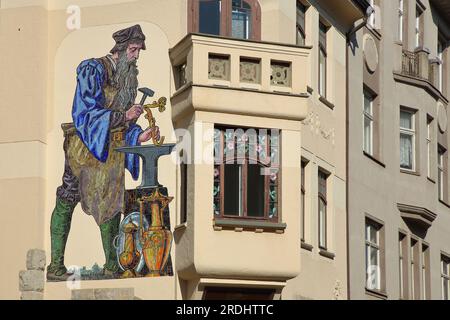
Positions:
{"x": 398, "y": 202}
{"x": 275, "y": 71}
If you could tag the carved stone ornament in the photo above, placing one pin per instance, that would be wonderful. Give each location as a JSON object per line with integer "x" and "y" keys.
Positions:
{"x": 281, "y": 74}
{"x": 219, "y": 68}
{"x": 370, "y": 53}
{"x": 250, "y": 71}
{"x": 313, "y": 121}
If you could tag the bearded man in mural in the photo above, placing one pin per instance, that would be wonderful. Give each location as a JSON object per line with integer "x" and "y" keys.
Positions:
{"x": 104, "y": 118}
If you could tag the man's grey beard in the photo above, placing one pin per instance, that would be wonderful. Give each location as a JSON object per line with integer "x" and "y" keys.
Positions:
{"x": 126, "y": 79}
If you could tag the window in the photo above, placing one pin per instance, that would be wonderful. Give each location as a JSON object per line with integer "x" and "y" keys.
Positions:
{"x": 407, "y": 140}
{"x": 368, "y": 121}
{"x": 441, "y": 171}
{"x": 209, "y": 14}
{"x": 403, "y": 266}
{"x": 246, "y": 173}
{"x": 415, "y": 269}
{"x": 372, "y": 19}
{"x": 429, "y": 145}
{"x": 241, "y": 17}
{"x": 322, "y": 200}
{"x": 425, "y": 272}
{"x": 323, "y": 59}
{"x": 419, "y": 26}
{"x": 373, "y": 255}
{"x": 303, "y": 199}
{"x": 231, "y": 18}
{"x": 301, "y": 16}
{"x": 445, "y": 277}
{"x": 183, "y": 193}
{"x": 401, "y": 9}
{"x": 440, "y": 51}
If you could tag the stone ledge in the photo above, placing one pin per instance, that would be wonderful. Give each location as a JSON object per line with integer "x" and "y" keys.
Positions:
{"x": 32, "y": 295}
{"x": 104, "y": 294}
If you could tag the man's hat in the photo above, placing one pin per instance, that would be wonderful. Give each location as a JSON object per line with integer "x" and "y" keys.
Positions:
{"x": 126, "y": 36}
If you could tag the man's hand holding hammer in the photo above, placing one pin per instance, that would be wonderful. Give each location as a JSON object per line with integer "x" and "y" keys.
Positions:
{"x": 133, "y": 114}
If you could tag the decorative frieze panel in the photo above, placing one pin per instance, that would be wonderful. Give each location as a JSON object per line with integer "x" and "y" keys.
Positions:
{"x": 281, "y": 74}
{"x": 250, "y": 70}
{"x": 219, "y": 67}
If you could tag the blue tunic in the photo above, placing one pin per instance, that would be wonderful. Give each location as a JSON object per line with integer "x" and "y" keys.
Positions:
{"x": 92, "y": 119}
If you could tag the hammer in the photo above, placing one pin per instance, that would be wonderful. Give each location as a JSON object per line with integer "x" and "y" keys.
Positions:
{"x": 147, "y": 93}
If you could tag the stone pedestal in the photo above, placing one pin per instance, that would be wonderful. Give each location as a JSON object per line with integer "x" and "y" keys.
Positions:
{"x": 32, "y": 281}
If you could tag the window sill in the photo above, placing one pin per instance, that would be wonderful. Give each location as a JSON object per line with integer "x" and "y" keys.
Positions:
{"x": 326, "y": 102}
{"x": 327, "y": 254}
{"x": 249, "y": 225}
{"x": 374, "y": 159}
{"x": 414, "y": 173}
{"x": 377, "y": 294}
{"x": 306, "y": 246}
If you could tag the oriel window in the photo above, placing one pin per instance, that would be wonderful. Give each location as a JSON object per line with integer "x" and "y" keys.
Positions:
{"x": 246, "y": 173}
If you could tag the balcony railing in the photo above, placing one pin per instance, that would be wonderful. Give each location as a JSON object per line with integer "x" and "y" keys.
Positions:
{"x": 410, "y": 64}
{"x": 418, "y": 65}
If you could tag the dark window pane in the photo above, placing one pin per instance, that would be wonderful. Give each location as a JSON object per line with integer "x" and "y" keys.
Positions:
{"x": 323, "y": 184}
{"x": 209, "y": 15}
{"x": 233, "y": 190}
{"x": 255, "y": 191}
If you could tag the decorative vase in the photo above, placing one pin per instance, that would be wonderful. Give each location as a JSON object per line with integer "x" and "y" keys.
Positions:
{"x": 156, "y": 241}
{"x": 130, "y": 257}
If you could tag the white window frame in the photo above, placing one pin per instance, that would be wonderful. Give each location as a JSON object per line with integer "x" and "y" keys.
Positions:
{"x": 411, "y": 132}
{"x": 372, "y": 19}
{"x": 401, "y": 255}
{"x": 429, "y": 145}
{"x": 441, "y": 171}
{"x": 424, "y": 269}
{"x": 368, "y": 116}
{"x": 369, "y": 246}
{"x": 445, "y": 277}
{"x": 419, "y": 13}
{"x": 441, "y": 65}
{"x": 413, "y": 267}
{"x": 401, "y": 15}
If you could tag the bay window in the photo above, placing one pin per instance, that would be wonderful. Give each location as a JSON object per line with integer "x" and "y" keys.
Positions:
{"x": 246, "y": 173}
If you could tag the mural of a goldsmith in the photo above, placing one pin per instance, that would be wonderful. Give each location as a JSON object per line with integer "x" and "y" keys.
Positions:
{"x": 104, "y": 117}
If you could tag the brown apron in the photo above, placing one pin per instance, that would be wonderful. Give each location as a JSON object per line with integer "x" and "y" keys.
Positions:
{"x": 101, "y": 185}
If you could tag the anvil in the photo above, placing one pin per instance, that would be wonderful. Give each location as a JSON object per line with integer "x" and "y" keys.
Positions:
{"x": 150, "y": 155}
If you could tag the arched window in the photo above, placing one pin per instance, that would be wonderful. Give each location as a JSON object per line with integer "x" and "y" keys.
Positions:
{"x": 230, "y": 18}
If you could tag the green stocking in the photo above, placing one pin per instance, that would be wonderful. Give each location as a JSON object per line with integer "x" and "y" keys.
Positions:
{"x": 59, "y": 230}
{"x": 109, "y": 231}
